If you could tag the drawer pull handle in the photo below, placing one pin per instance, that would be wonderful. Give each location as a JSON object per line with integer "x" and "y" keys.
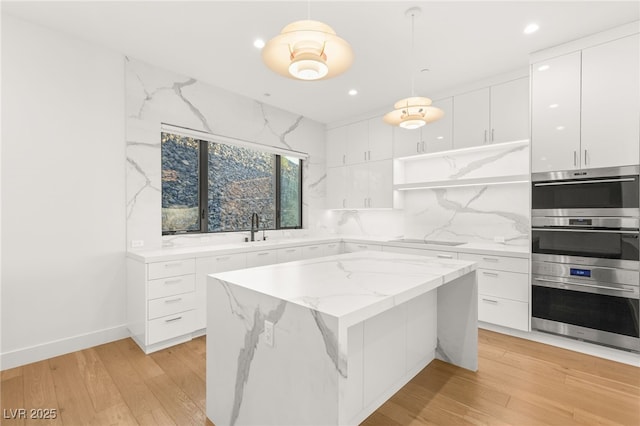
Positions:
{"x": 490, "y": 259}
{"x": 178, "y": 281}
{"x": 291, "y": 250}
{"x": 445, "y": 256}
{"x": 223, "y": 258}
{"x": 363, "y": 247}
{"x": 171, "y": 265}
{"x": 173, "y": 319}
{"x": 177, "y": 299}
{"x": 313, "y": 248}
{"x": 490, "y": 274}
{"x": 263, "y": 253}
{"x": 495, "y": 302}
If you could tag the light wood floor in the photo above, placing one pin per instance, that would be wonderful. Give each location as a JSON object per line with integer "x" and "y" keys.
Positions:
{"x": 519, "y": 382}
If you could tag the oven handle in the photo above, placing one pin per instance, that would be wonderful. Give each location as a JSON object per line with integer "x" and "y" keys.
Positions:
{"x": 602, "y": 231}
{"x": 545, "y": 280}
{"x": 579, "y": 182}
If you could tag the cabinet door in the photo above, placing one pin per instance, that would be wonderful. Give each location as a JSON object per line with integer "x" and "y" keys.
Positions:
{"x": 438, "y": 136}
{"x": 289, "y": 254}
{"x": 471, "y": 119}
{"x": 336, "y": 146}
{"x": 311, "y": 252}
{"x": 380, "y": 140}
{"x": 510, "y": 111}
{"x": 357, "y": 142}
{"x": 337, "y": 185}
{"x": 261, "y": 258}
{"x": 611, "y": 103}
{"x": 210, "y": 265}
{"x": 380, "y": 184}
{"x": 406, "y": 142}
{"x": 357, "y": 185}
{"x": 331, "y": 249}
{"x": 555, "y": 114}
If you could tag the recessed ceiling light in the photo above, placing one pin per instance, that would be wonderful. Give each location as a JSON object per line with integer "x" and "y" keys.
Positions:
{"x": 440, "y": 137}
{"x": 258, "y": 43}
{"x": 560, "y": 128}
{"x": 531, "y": 28}
{"x": 353, "y": 92}
{"x": 543, "y": 67}
{"x": 553, "y": 106}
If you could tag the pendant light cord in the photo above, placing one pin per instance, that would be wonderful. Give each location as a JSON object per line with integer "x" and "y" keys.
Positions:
{"x": 412, "y": 58}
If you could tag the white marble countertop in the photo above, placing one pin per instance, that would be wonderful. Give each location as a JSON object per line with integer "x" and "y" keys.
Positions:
{"x": 351, "y": 287}
{"x": 176, "y": 253}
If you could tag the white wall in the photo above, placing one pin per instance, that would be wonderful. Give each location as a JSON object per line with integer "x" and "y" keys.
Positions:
{"x": 63, "y": 193}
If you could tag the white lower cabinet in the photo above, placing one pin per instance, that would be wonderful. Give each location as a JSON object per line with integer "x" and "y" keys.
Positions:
{"x": 289, "y": 254}
{"x": 331, "y": 249}
{"x": 211, "y": 265}
{"x": 355, "y": 247}
{"x": 161, "y": 298}
{"x": 261, "y": 258}
{"x": 503, "y": 290}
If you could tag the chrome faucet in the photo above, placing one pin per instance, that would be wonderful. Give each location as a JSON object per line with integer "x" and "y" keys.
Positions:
{"x": 255, "y": 224}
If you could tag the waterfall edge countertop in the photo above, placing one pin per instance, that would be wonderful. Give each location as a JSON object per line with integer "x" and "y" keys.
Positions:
{"x": 326, "y": 341}
{"x": 351, "y": 287}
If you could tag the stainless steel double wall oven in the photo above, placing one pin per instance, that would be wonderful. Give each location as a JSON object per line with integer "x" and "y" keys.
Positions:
{"x": 585, "y": 255}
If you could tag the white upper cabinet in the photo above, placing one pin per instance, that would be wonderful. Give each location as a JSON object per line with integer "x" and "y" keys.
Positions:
{"x": 337, "y": 186}
{"x": 438, "y": 136}
{"x": 337, "y": 146}
{"x": 611, "y": 103}
{"x": 358, "y": 142}
{"x": 494, "y": 114}
{"x": 432, "y": 137}
{"x": 585, "y": 108}
{"x": 510, "y": 111}
{"x": 555, "y": 108}
{"x": 380, "y": 140}
{"x": 471, "y": 119}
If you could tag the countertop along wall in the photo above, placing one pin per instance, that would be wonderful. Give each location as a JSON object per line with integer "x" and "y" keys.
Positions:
{"x": 155, "y": 96}
{"x": 63, "y": 204}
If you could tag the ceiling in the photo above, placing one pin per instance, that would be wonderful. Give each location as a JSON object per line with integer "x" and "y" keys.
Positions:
{"x": 459, "y": 42}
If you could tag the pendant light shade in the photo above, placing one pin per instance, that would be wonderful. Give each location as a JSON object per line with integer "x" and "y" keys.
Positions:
{"x": 415, "y": 111}
{"x": 308, "y": 50}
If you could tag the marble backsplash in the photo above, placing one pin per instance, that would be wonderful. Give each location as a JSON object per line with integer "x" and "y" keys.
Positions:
{"x": 155, "y": 96}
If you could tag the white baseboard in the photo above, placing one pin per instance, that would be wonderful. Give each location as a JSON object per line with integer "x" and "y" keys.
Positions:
{"x": 575, "y": 345}
{"x": 59, "y": 347}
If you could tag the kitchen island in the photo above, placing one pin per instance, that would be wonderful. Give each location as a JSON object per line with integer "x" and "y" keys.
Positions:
{"x": 326, "y": 341}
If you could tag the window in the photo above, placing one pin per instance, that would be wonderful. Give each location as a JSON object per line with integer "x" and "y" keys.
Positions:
{"x": 216, "y": 187}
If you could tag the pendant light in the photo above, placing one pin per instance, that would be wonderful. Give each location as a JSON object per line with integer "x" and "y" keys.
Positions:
{"x": 415, "y": 111}
{"x": 308, "y": 50}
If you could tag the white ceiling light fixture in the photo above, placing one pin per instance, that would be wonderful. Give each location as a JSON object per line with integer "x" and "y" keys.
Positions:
{"x": 415, "y": 111}
{"x": 531, "y": 28}
{"x": 353, "y": 92}
{"x": 308, "y": 50}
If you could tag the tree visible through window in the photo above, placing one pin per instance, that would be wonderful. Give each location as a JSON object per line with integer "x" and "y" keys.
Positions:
{"x": 215, "y": 187}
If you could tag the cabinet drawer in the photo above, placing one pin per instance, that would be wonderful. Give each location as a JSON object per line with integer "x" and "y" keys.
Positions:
{"x": 354, "y": 247}
{"x": 421, "y": 252}
{"x": 171, "y": 268}
{"x": 289, "y": 254}
{"x": 441, "y": 254}
{"x": 331, "y": 249}
{"x": 507, "y": 285}
{"x": 170, "y": 326}
{"x": 310, "y": 252}
{"x": 171, "y": 305}
{"x": 502, "y": 263}
{"x": 261, "y": 258}
{"x": 508, "y": 313}
{"x": 164, "y": 287}
{"x": 228, "y": 262}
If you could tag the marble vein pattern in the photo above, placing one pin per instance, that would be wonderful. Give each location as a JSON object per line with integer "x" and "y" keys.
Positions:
{"x": 155, "y": 96}
{"x": 321, "y": 309}
{"x": 470, "y": 214}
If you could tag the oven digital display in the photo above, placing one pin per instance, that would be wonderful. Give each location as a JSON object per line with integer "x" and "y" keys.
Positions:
{"x": 580, "y": 272}
{"x": 580, "y": 222}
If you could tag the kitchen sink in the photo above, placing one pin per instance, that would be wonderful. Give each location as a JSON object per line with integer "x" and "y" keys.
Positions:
{"x": 421, "y": 241}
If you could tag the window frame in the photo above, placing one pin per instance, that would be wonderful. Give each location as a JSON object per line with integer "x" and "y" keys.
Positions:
{"x": 203, "y": 187}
